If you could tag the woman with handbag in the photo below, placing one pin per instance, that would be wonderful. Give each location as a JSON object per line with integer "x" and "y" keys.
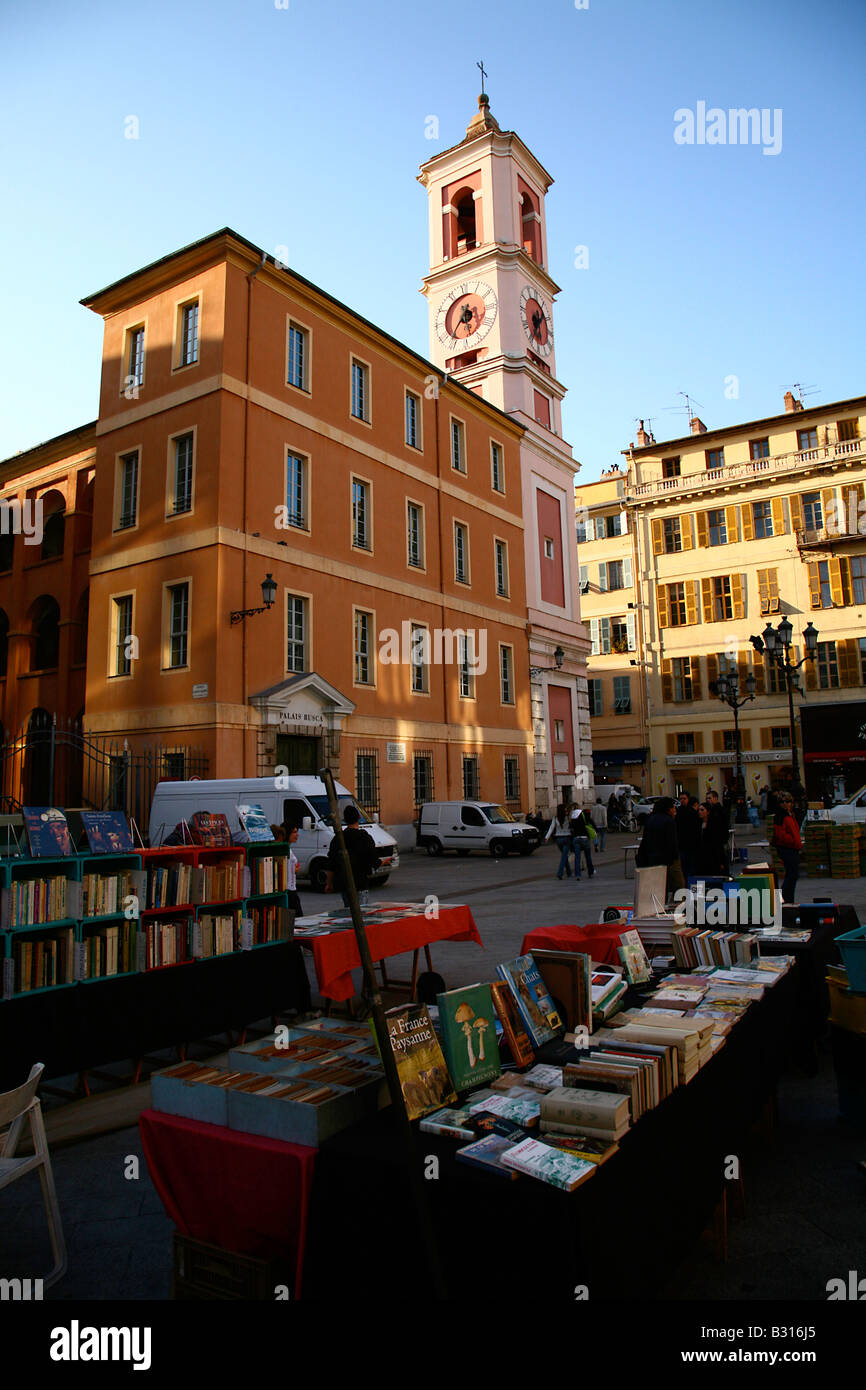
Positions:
{"x": 559, "y": 829}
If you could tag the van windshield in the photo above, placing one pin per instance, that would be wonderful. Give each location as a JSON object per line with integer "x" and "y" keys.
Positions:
{"x": 322, "y": 808}
{"x": 496, "y": 815}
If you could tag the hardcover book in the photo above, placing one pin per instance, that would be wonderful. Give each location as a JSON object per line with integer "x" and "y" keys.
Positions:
{"x": 424, "y": 1077}
{"x": 487, "y": 1153}
{"x": 211, "y": 829}
{"x": 47, "y": 832}
{"x": 548, "y": 1164}
{"x": 107, "y": 832}
{"x": 516, "y": 1036}
{"x": 566, "y": 975}
{"x": 466, "y": 1022}
{"x": 536, "y": 1007}
{"x": 255, "y": 823}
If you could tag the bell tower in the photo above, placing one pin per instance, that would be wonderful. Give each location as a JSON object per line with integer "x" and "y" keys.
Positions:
{"x": 490, "y": 300}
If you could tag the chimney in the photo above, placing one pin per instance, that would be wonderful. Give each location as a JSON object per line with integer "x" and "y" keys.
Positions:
{"x": 642, "y": 437}
{"x": 697, "y": 426}
{"x": 791, "y": 403}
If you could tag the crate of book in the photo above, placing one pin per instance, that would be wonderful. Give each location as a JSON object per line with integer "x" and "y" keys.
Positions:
{"x": 39, "y": 960}
{"x": 204, "y": 1271}
{"x": 269, "y": 869}
{"x": 852, "y": 945}
{"x": 109, "y": 949}
{"x": 816, "y": 849}
{"x": 270, "y": 922}
{"x": 40, "y": 892}
{"x": 163, "y": 941}
{"x": 215, "y": 933}
{"x": 845, "y": 851}
{"x": 847, "y": 1005}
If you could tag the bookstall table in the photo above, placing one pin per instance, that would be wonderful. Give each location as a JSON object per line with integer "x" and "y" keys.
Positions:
{"x": 336, "y": 953}
{"x": 240, "y": 1192}
{"x": 599, "y": 939}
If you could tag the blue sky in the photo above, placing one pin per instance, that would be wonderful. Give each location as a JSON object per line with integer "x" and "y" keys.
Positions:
{"x": 304, "y": 127}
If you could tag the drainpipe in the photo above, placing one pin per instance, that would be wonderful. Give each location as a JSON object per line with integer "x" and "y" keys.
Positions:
{"x": 250, "y": 277}
{"x": 442, "y": 587}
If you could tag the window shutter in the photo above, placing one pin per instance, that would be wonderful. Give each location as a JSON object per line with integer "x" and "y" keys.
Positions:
{"x": 764, "y": 590}
{"x": 814, "y": 586}
{"x": 703, "y": 528}
{"x": 712, "y": 668}
{"x": 602, "y": 578}
{"x": 630, "y": 629}
{"x": 747, "y": 518}
{"x": 758, "y": 673}
{"x": 848, "y": 654}
{"x": 746, "y": 739}
{"x": 810, "y": 668}
{"x": 599, "y": 528}
{"x": 853, "y": 495}
{"x": 767, "y": 737}
{"x": 593, "y": 634}
{"x": 773, "y": 580}
{"x": 663, "y": 606}
{"x": 778, "y": 507}
{"x": 686, "y": 531}
{"x": 707, "y": 599}
{"x": 840, "y": 580}
{"x": 672, "y": 743}
{"x": 699, "y": 740}
{"x": 658, "y": 535}
{"x": 738, "y": 595}
{"x": 695, "y": 671}
{"x": 828, "y": 508}
{"x": 667, "y": 681}
{"x": 731, "y": 531}
{"x": 627, "y": 577}
{"x": 605, "y": 634}
{"x": 796, "y": 506}
{"x": 718, "y": 741}
{"x": 691, "y": 590}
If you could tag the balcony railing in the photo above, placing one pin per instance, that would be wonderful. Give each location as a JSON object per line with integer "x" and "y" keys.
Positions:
{"x": 751, "y": 469}
{"x": 823, "y": 537}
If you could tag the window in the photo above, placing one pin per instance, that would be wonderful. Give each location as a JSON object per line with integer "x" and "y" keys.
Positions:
{"x": 774, "y": 678}
{"x": 613, "y": 525}
{"x": 360, "y": 514}
{"x": 848, "y": 429}
{"x": 497, "y": 471}
{"x": 717, "y": 526}
{"x": 759, "y": 448}
{"x": 178, "y": 625}
{"x": 415, "y": 535}
{"x": 461, "y": 553}
{"x": 363, "y": 648}
{"x": 826, "y": 586}
{"x": 134, "y": 357}
{"x": 296, "y": 374}
{"x": 672, "y": 535}
{"x": 615, "y": 574}
{"x": 422, "y": 777}
{"x": 512, "y": 777}
{"x": 685, "y": 743}
{"x": 121, "y": 646}
{"x": 420, "y": 659}
{"x": 671, "y": 467}
{"x": 682, "y": 678}
{"x": 549, "y": 548}
{"x": 471, "y": 782}
{"x": 813, "y": 511}
{"x": 722, "y": 605}
{"x": 173, "y": 767}
{"x": 862, "y": 645}
{"x": 828, "y": 666}
{"x": 715, "y": 458}
{"x": 501, "y": 555}
{"x": 54, "y": 529}
{"x": 182, "y": 484}
{"x": 413, "y": 420}
{"x": 128, "y": 496}
{"x": 858, "y": 578}
{"x": 585, "y": 530}
{"x": 367, "y": 780}
{"x": 296, "y": 633}
{"x": 188, "y": 334}
{"x": 807, "y": 439}
{"x": 584, "y": 579}
{"x": 296, "y": 490}
{"x": 780, "y": 737}
{"x": 458, "y": 446}
{"x": 762, "y": 520}
{"x": 465, "y": 654}
{"x": 360, "y": 390}
{"x": 729, "y": 741}
{"x": 559, "y": 731}
{"x": 506, "y": 675}
{"x": 677, "y": 604}
{"x": 622, "y": 694}
{"x": 619, "y": 635}
{"x": 768, "y": 590}
{"x": 595, "y": 696}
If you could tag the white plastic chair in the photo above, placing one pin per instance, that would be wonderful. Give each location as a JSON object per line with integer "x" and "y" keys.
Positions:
{"x": 16, "y": 1106}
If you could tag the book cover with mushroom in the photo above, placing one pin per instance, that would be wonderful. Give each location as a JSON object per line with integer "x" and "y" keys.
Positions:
{"x": 467, "y": 1020}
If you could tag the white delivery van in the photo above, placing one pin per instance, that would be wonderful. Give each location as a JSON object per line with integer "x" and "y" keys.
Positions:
{"x": 467, "y": 825}
{"x": 301, "y": 801}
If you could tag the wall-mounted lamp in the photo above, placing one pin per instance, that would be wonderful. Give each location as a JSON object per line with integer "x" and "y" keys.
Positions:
{"x": 558, "y": 657}
{"x": 269, "y": 593}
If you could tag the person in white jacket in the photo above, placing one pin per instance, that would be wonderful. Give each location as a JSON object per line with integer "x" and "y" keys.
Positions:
{"x": 598, "y": 816}
{"x": 560, "y": 830}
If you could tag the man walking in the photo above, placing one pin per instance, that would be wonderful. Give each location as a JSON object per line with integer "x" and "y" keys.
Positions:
{"x": 720, "y": 827}
{"x": 362, "y": 858}
{"x": 688, "y": 824}
{"x": 598, "y": 816}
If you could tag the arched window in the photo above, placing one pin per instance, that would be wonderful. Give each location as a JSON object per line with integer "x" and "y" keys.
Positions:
{"x": 45, "y": 617}
{"x": 7, "y": 551}
{"x": 4, "y": 642}
{"x": 53, "y": 525}
{"x": 465, "y": 221}
{"x": 79, "y": 632}
{"x": 531, "y": 226}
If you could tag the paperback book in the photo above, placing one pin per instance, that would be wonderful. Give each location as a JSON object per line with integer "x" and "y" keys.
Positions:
{"x": 107, "y": 832}
{"x": 548, "y": 1164}
{"x": 487, "y": 1153}
{"x": 424, "y": 1078}
{"x": 47, "y": 832}
{"x": 466, "y": 1025}
{"x": 536, "y": 1007}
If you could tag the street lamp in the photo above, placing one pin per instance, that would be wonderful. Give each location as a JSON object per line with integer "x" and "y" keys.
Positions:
{"x": 727, "y": 687}
{"x": 776, "y": 641}
{"x": 269, "y": 593}
{"x": 558, "y": 657}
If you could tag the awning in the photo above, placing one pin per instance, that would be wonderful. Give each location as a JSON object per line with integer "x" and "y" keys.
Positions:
{"x": 850, "y": 755}
{"x": 607, "y": 757}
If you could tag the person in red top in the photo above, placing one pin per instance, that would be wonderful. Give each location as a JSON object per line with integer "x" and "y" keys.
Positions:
{"x": 786, "y": 837}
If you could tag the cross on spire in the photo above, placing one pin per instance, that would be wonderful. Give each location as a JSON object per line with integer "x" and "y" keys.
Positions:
{"x": 483, "y": 75}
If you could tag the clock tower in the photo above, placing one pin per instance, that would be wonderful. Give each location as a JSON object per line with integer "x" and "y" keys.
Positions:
{"x": 490, "y": 298}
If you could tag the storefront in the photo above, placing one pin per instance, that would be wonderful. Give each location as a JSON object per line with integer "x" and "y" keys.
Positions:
{"x": 699, "y": 773}
{"x": 612, "y": 765}
{"x": 834, "y": 743}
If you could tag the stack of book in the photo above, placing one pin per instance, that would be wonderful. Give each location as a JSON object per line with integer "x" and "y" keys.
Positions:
{"x": 36, "y": 900}
{"x": 173, "y": 885}
{"x": 269, "y": 873}
{"x": 576, "y": 1110}
{"x": 692, "y": 1038}
{"x": 218, "y": 934}
{"x": 222, "y": 883}
{"x": 40, "y": 962}
{"x": 634, "y": 1078}
{"x": 165, "y": 942}
{"x": 102, "y": 894}
{"x": 696, "y": 946}
{"x": 110, "y": 950}
{"x": 607, "y": 988}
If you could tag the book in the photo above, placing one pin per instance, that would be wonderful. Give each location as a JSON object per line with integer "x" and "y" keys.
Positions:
{"x": 632, "y": 953}
{"x": 424, "y": 1078}
{"x": 47, "y": 832}
{"x": 107, "y": 832}
{"x": 488, "y": 1153}
{"x": 210, "y": 828}
{"x": 605, "y": 981}
{"x": 466, "y": 1026}
{"x": 254, "y": 821}
{"x": 585, "y": 1146}
{"x": 577, "y": 1106}
{"x": 548, "y": 1164}
{"x": 540, "y": 1018}
{"x": 513, "y": 1031}
{"x": 520, "y": 1111}
{"x": 566, "y": 974}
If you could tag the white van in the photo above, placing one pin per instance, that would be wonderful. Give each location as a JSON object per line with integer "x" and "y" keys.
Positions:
{"x": 466, "y": 825}
{"x": 303, "y": 801}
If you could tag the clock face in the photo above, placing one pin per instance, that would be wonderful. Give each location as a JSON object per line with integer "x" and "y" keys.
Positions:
{"x": 466, "y": 315}
{"x": 536, "y": 319}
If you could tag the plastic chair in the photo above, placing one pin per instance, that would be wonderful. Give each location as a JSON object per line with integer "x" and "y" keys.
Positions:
{"x": 16, "y": 1106}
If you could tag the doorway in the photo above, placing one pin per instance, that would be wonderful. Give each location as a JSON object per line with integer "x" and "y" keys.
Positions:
{"x": 300, "y": 754}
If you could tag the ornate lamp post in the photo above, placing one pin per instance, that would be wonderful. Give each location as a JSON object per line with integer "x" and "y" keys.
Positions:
{"x": 269, "y": 593}
{"x": 727, "y": 687}
{"x": 776, "y": 642}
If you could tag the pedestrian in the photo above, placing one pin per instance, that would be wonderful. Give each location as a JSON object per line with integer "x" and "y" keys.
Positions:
{"x": 362, "y": 858}
{"x": 711, "y": 845}
{"x": 754, "y": 818}
{"x": 688, "y": 824}
{"x": 786, "y": 838}
{"x": 659, "y": 844}
{"x": 290, "y": 836}
{"x": 613, "y": 812}
{"x": 598, "y": 816}
{"x": 581, "y": 838}
{"x": 765, "y": 792}
{"x": 560, "y": 830}
{"x": 721, "y": 828}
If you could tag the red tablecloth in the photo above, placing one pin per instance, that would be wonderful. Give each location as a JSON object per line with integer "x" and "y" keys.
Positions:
{"x": 336, "y": 955}
{"x": 238, "y": 1191}
{"x": 599, "y": 940}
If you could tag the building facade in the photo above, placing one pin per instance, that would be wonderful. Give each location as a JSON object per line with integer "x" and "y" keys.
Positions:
{"x": 490, "y": 298}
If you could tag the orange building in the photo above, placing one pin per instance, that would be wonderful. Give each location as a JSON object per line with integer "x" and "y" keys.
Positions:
{"x": 252, "y": 428}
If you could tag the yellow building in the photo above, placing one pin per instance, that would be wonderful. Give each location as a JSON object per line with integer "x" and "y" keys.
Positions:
{"x": 734, "y": 529}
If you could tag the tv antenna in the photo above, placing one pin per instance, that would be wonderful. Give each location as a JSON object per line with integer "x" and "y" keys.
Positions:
{"x": 799, "y": 389}
{"x": 689, "y": 402}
